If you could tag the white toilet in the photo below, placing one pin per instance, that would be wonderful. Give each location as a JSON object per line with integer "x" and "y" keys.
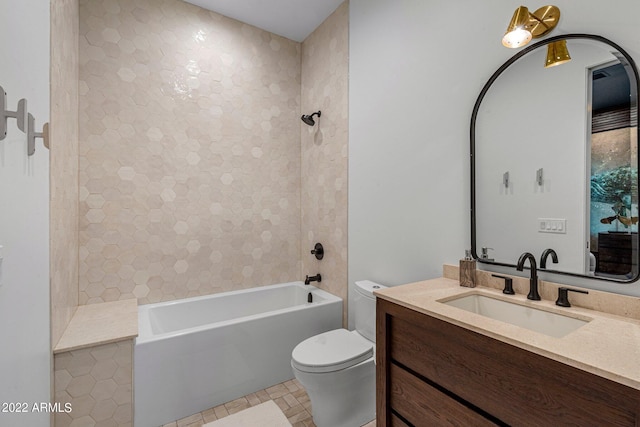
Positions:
{"x": 337, "y": 368}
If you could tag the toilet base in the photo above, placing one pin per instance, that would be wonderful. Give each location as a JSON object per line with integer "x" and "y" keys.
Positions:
{"x": 346, "y": 398}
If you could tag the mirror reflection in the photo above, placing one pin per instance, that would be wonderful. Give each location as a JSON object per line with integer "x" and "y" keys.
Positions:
{"x": 555, "y": 161}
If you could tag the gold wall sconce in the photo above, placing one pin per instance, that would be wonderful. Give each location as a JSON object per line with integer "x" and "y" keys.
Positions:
{"x": 557, "y": 53}
{"x": 525, "y": 25}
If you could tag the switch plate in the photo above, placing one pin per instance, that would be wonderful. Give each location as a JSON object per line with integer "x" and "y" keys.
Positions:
{"x": 552, "y": 225}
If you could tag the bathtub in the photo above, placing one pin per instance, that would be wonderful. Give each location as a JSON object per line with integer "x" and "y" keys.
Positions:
{"x": 196, "y": 353}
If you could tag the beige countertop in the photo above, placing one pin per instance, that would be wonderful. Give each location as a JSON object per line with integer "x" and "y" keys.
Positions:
{"x": 97, "y": 324}
{"x": 608, "y": 345}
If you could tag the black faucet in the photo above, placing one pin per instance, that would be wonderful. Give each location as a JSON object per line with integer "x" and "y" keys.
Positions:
{"x": 533, "y": 282}
{"x": 316, "y": 278}
{"x": 545, "y": 254}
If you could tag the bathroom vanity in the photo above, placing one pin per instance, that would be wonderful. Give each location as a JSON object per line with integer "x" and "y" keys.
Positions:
{"x": 438, "y": 364}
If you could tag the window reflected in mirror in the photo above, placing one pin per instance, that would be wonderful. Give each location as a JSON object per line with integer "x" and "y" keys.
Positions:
{"x": 613, "y": 224}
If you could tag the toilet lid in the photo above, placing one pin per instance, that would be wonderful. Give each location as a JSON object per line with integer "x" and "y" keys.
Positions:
{"x": 331, "y": 351}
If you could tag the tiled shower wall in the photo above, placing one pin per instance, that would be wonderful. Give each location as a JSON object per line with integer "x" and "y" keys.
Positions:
{"x": 63, "y": 165}
{"x": 189, "y": 153}
{"x": 324, "y": 151}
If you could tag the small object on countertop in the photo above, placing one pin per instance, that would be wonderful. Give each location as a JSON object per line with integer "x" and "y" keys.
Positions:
{"x": 563, "y": 296}
{"x": 468, "y": 270}
{"x": 508, "y": 284}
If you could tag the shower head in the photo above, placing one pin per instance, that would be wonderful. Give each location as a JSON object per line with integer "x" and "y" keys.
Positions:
{"x": 309, "y": 119}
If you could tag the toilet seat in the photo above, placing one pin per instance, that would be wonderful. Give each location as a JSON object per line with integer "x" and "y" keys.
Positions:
{"x": 331, "y": 351}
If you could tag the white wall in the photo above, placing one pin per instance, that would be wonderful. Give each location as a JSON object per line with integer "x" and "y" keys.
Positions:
{"x": 24, "y": 215}
{"x": 416, "y": 68}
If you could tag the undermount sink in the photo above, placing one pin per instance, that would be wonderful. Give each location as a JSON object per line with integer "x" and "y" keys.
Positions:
{"x": 534, "y": 319}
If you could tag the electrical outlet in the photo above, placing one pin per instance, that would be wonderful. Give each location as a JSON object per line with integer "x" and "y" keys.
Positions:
{"x": 552, "y": 225}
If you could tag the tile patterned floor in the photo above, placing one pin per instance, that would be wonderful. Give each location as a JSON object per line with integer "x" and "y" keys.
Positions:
{"x": 290, "y": 396}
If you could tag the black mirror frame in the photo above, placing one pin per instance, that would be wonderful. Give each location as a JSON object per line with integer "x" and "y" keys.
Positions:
{"x": 474, "y": 114}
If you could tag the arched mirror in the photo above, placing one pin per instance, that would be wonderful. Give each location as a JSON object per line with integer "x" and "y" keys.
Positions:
{"x": 554, "y": 161}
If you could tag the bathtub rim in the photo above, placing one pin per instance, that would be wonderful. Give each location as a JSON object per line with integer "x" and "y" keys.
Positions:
{"x": 145, "y": 331}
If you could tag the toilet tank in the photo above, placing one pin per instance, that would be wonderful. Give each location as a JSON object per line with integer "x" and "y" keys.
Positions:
{"x": 364, "y": 310}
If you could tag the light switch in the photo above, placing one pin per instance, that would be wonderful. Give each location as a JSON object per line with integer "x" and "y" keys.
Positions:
{"x": 552, "y": 225}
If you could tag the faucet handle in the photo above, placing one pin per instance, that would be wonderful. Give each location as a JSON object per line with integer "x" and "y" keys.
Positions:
{"x": 318, "y": 251}
{"x": 563, "y": 296}
{"x": 508, "y": 284}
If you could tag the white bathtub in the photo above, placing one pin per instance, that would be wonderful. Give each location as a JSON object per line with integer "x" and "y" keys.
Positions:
{"x": 196, "y": 353}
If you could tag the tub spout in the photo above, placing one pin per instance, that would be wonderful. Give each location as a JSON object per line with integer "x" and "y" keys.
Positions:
{"x": 316, "y": 278}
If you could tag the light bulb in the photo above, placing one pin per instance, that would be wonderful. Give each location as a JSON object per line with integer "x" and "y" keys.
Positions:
{"x": 516, "y": 38}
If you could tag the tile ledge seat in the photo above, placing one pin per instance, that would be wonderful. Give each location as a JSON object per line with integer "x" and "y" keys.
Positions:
{"x": 97, "y": 324}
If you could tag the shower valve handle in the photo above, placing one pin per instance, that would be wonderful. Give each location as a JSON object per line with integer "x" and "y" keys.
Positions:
{"x": 318, "y": 251}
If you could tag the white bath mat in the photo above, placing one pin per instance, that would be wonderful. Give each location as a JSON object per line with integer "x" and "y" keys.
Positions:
{"x": 266, "y": 414}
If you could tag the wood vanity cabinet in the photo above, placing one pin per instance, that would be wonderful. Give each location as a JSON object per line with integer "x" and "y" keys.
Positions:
{"x": 432, "y": 373}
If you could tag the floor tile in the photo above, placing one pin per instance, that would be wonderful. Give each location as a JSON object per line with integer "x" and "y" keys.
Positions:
{"x": 290, "y": 397}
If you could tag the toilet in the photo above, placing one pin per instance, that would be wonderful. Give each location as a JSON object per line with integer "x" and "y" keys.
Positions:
{"x": 337, "y": 368}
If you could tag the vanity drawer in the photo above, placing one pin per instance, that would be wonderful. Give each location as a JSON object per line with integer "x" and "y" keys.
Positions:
{"x": 421, "y": 404}
{"x": 397, "y": 422}
{"x": 508, "y": 384}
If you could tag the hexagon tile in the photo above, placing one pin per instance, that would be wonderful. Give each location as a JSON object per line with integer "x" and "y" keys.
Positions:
{"x": 189, "y": 152}
{"x": 96, "y": 382}
{"x": 325, "y": 74}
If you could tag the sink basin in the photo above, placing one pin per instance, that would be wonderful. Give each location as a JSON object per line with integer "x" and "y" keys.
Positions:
{"x": 545, "y": 322}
